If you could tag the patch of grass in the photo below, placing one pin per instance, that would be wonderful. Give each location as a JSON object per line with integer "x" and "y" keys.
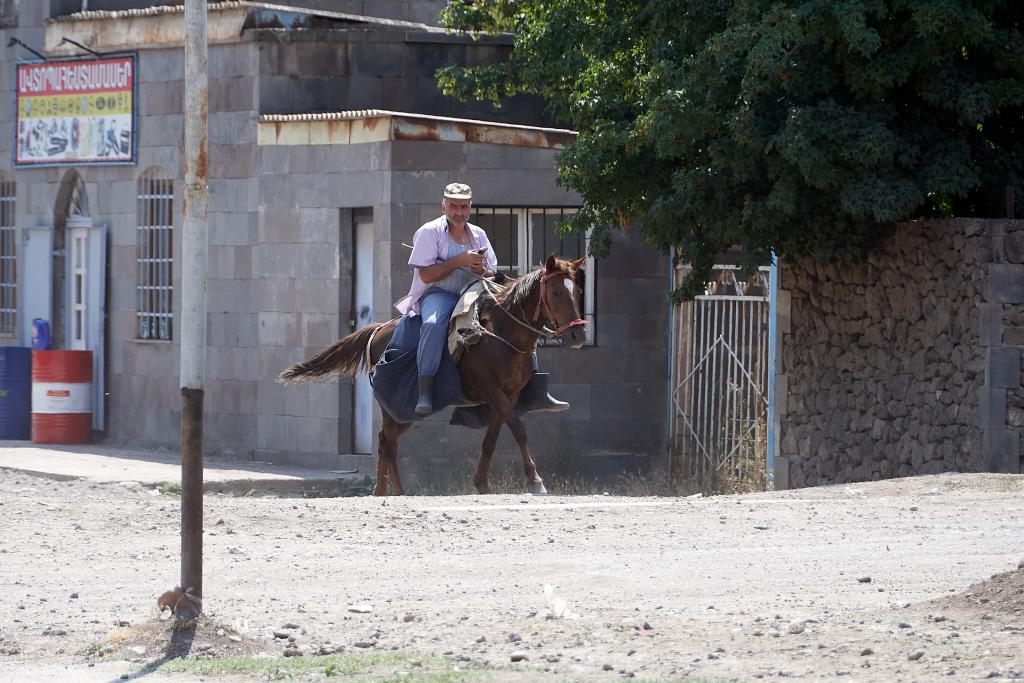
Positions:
{"x": 170, "y": 489}
{"x": 427, "y": 677}
{"x": 433, "y": 670}
{"x": 91, "y": 650}
{"x": 699, "y": 679}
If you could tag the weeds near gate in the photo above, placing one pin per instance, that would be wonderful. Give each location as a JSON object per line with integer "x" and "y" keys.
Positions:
{"x": 730, "y": 456}
{"x": 746, "y": 474}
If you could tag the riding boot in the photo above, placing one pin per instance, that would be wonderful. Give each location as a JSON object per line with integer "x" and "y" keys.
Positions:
{"x": 425, "y": 404}
{"x": 535, "y": 396}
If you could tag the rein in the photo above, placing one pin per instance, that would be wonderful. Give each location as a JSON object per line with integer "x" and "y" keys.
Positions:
{"x": 483, "y": 330}
{"x": 544, "y": 330}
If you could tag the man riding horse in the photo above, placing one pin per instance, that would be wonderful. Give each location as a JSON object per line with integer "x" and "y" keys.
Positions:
{"x": 448, "y": 253}
{"x": 494, "y": 373}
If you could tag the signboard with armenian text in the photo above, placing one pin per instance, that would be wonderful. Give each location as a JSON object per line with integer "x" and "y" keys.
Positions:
{"x": 76, "y": 111}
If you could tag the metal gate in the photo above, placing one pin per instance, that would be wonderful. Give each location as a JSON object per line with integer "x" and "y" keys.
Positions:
{"x": 720, "y": 387}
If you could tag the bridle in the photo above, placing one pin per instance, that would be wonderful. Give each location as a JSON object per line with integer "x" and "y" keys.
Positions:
{"x": 543, "y": 331}
{"x": 542, "y": 303}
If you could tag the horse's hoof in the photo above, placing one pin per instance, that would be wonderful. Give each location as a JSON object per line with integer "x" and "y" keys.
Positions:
{"x": 538, "y": 489}
{"x": 483, "y": 489}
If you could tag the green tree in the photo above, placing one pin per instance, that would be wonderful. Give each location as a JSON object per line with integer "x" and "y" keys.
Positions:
{"x": 807, "y": 127}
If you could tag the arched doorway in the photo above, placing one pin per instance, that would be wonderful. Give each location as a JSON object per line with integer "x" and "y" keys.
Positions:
{"x": 70, "y": 217}
{"x": 79, "y": 282}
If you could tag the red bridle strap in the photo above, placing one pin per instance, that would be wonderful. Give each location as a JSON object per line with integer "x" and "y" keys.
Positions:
{"x": 543, "y": 302}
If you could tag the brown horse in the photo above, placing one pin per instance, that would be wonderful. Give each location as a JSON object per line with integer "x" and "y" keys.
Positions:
{"x": 545, "y": 302}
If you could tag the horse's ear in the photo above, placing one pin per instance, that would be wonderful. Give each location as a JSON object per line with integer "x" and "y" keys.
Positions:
{"x": 551, "y": 265}
{"x": 579, "y": 263}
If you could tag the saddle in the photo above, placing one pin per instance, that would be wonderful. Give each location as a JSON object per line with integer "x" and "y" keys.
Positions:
{"x": 464, "y": 327}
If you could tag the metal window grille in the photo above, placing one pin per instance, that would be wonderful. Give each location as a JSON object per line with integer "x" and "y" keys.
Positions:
{"x": 155, "y": 256}
{"x": 523, "y": 237}
{"x": 8, "y": 259}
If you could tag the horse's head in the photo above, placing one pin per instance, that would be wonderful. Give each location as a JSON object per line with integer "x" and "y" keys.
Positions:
{"x": 560, "y": 300}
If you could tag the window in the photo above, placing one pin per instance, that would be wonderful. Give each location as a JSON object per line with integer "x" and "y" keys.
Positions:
{"x": 523, "y": 237}
{"x": 79, "y": 239}
{"x": 8, "y": 258}
{"x": 8, "y": 12}
{"x": 155, "y": 257}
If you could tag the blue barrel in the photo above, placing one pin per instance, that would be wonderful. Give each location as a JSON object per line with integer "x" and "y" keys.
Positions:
{"x": 40, "y": 334}
{"x": 15, "y": 393}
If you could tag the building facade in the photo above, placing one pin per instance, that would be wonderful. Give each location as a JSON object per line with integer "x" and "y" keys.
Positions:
{"x": 329, "y": 146}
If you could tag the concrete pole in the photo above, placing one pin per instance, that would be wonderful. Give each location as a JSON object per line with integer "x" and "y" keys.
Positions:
{"x": 193, "y": 297}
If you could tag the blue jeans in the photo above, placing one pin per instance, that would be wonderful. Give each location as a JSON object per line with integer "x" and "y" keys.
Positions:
{"x": 436, "y": 307}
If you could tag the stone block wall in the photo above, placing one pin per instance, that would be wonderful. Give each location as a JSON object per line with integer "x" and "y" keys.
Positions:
{"x": 907, "y": 363}
{"x": 302, "y": 272}
{"x": 1002, "y": 338}
{"x": 359, "y": 68}
{"x": 144, "y": 402}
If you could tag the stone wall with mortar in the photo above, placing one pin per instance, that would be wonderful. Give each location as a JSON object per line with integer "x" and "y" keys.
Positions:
{"x": 907, "y": 363}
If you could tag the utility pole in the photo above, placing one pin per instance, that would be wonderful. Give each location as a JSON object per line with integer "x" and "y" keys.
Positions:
{"x": 193, "y": 297}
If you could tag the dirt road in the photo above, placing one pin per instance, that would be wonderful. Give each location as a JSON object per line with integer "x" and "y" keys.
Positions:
{"x": 864, "y": 582}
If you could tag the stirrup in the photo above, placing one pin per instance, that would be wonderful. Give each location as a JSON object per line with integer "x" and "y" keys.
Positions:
{"x": 474, "y": 417}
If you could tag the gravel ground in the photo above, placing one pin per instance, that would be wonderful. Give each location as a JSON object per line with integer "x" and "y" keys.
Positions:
{"x": 881, "y": 581}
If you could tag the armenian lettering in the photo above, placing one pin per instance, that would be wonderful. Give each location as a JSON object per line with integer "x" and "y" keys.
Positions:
{"x": 76, "y": 111}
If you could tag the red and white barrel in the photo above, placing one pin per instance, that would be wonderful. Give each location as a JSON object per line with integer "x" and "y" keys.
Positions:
{"x": 62, "y": 397}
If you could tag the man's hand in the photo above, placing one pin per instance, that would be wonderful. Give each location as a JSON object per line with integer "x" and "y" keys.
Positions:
{"x": 471, "y": 260}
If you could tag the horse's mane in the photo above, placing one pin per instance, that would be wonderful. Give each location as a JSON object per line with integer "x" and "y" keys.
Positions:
{"x": 515, "y": 295}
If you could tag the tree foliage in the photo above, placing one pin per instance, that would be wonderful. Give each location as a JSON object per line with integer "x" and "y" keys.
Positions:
{"x": 807, "y": 127}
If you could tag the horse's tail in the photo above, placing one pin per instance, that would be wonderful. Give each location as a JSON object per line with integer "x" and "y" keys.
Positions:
{"x": 344, "y": 357}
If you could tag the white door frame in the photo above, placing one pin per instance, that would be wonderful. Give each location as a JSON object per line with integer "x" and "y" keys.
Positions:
{"x": 362, "y": 398}
{"x": 85, "y": 301}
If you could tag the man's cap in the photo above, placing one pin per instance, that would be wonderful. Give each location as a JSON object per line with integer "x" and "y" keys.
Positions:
{"x": 458, "y": 191}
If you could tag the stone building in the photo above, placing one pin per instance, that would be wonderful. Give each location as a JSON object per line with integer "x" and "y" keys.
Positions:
{"x": 329, "y": 144}
{"x": 908, "y": 363}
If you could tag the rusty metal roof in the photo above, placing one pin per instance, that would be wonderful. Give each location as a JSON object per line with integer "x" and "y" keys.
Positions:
{"x": 378, "y": 113}
{"x": 144, "y": 12}
{"x": 340, "y": 128}
{"x": 263, "y": 15}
